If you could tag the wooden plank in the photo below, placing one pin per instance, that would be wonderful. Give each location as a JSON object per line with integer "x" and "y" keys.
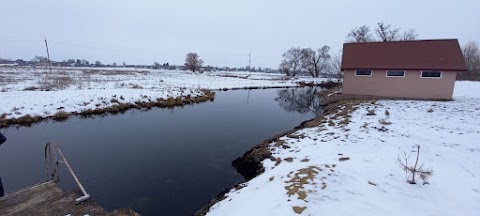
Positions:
{"x": 64, "y": 205}
{"x": 20, "y": 200}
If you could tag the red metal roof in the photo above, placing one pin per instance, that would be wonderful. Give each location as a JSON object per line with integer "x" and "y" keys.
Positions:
{"x": 444, "y": 55}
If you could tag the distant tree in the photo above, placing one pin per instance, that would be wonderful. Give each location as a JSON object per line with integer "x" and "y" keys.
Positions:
{"x": 386, "y": 32}
{"x": 193, "y": 62}
{"x": 335, "y": 67}
{"x": 292, "y": 61}
{"x": 114, "y": 64}
{"x": 360, "y": 34}
{"x": 408, "y": 35}
{"x": 471, "y": 54}
{"x": 156, "y": 65}
{"x": 317, "y": 62}
{"x": 98, "y": 64}
{"x": 39, "y": 59}
{"x": 85, "y": 62}
{"x": 124, "y": 64}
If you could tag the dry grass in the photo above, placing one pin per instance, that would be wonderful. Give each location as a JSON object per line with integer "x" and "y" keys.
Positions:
{"x": 103, "y": 72}
{"x": 60, "y": 116}
{"x": 302, "y": 177}
{"x": 136, "y": 86}
{"x": 371, "y": 112}
{"x": 384, "y": 122}
{"x": 52, "y": 82}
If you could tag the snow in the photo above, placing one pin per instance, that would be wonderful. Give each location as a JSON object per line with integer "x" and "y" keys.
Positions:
{"x": 77, "y": 89}
{"x": 371, "y": 181}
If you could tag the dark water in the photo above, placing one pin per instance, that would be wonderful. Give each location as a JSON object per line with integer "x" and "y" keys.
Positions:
{"x": 161, "y": 161}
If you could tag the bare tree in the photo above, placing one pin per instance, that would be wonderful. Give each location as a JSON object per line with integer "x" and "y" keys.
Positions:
{"x": 471, "y": 53}
{"x": 285, "y": 68}
{"x": 409, "y": 35}
{"x": 386, "y": 32}
{"x": 291, "y": 62}
{"x": 360, "y": 34}
{"x": 335, "y": 67}
{"x": 316, "y": 63}
{"x": 193, "y": 62}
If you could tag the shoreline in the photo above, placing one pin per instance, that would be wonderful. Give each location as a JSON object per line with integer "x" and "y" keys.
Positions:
{"x": 119, "y": 107}
{"x": 116, "y": 108}
{"x": 249, "y": 165}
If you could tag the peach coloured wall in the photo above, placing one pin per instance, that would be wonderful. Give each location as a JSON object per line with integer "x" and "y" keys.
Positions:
{"x": 410, "y": 86}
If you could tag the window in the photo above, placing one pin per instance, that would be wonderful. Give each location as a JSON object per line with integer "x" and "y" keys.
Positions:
{"x": 395, "y": 73}
{"x": 431, "y": 74}
{"x": 363, "y": 73}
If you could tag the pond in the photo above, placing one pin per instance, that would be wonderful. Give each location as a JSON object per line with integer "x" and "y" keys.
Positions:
{"x": 171, "y": 161}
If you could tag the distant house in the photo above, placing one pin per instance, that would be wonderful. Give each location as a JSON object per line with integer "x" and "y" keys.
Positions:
{"x": 423, "y": 69}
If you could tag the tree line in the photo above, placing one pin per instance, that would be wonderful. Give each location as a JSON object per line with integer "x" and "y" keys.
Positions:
{"x": 383, "y": 32}
{"x": 313, "y": 62}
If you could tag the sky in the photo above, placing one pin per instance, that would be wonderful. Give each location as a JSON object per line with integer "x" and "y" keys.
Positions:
{"x": 222, "y": 32}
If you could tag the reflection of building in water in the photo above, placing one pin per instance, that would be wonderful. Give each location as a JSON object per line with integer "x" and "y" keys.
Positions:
{"x": 302, "y": 100}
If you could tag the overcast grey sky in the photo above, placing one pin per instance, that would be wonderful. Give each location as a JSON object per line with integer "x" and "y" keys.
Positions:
{"x": 222, "y": 32}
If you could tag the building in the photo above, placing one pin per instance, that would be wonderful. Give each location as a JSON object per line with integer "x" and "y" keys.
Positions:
{"x": 422, "y": 69}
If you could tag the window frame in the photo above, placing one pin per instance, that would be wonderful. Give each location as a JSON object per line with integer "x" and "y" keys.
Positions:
{"x": 371, "y": 72}
{"x": 440, "y": 77}
{"x": 404, "y": 73}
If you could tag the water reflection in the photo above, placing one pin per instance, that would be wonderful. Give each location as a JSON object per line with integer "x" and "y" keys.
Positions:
{"x": 171, "y": 161}
{"x": 301, "y": 100}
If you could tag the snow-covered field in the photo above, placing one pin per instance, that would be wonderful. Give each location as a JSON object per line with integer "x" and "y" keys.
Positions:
{"x": 353, "y": 169}
{"x": 22, "y": 89}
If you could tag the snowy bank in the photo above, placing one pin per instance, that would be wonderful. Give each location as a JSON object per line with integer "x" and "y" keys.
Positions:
{"x": 31, "y": 94}
{"x": 349, "y": 163}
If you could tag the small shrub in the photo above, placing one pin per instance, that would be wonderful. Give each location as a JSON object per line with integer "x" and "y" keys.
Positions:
{"x": 371, "y": 112}
{"x": 384, "y": 122}
{"x": 30, "y": 88}
{"x": 430, "y": 110}
{"x": 136, "y": 86}
{"x": 60, "y": 116}
{"x": 416, "y": 169}
{"x": 387, "y": 113}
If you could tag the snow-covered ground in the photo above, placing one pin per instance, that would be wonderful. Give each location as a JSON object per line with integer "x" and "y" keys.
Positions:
{"x": 353, "y": 169}
{"x": 22, "y": 89}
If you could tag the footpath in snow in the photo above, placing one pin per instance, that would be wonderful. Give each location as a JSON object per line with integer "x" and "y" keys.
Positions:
{"x": 348, "y": 165}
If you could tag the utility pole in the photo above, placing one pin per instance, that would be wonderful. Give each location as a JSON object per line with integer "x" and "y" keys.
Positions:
{"x": 249, "y": 60}
{"x": 48, "y": 55}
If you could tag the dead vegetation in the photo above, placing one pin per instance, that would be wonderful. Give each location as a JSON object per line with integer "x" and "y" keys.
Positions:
{"x": 60, "y": 116}
{"x": 115, "y": 108}
{"x": 296, "y": 185}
